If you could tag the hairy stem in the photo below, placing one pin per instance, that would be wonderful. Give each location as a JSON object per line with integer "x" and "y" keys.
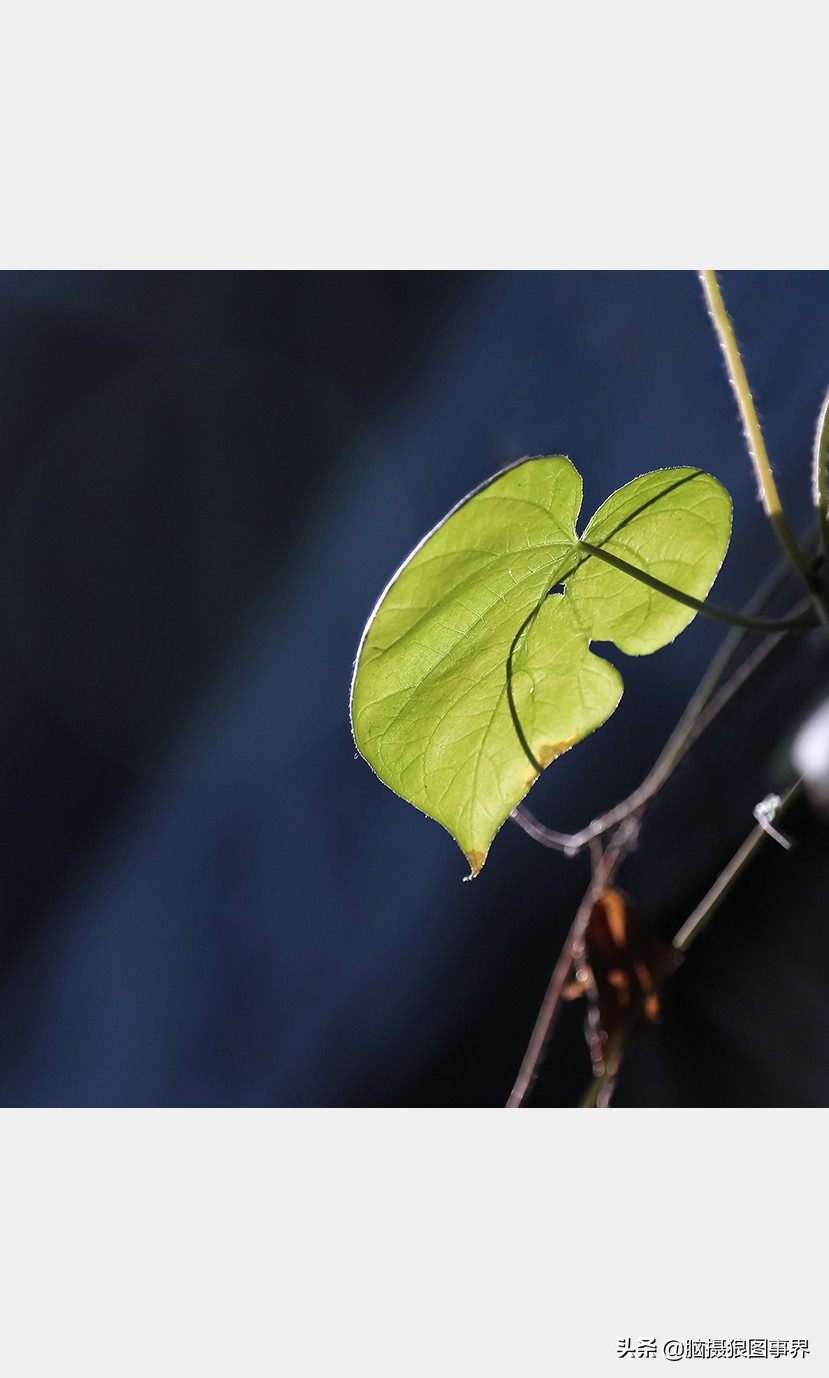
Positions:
{"x": 769, "y": 496}
{"x": 819, "y": 478}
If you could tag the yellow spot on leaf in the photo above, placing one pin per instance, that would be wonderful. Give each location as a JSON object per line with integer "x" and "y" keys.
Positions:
{"x": 547, "y": 753}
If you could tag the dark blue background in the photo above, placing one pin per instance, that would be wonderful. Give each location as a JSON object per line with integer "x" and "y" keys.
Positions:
{"x": 207, "y": 479}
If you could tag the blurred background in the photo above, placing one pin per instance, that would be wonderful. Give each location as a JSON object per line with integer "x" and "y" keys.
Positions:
{"x": 207, "y": 479}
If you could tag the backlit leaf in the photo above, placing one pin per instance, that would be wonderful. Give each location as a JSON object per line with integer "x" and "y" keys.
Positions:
{"x": 471, "y": 676}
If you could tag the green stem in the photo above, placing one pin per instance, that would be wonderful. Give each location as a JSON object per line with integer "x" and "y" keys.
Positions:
{"x": 591, "y": 1095}
{"x": 751, "y": 425}
{"x": 733, "y": 619}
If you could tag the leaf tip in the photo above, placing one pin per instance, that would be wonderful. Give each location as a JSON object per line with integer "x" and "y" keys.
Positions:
{"x": 476, "y": 861}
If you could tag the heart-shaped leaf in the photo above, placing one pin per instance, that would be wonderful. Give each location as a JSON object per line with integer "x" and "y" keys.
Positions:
{"x": 471, "y": 676}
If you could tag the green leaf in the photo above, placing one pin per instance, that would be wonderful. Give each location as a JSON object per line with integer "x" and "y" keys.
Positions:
{"x": 470, "y": 679}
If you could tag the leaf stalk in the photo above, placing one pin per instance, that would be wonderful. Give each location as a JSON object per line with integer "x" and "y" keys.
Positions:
{"x": 712, "y": 610}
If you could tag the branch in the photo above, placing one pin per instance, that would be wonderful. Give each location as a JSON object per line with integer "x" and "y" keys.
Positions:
{"x": 707, "y": 907}
{"x": 601, "y": 1088}
{"x": 605, "y": 870}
